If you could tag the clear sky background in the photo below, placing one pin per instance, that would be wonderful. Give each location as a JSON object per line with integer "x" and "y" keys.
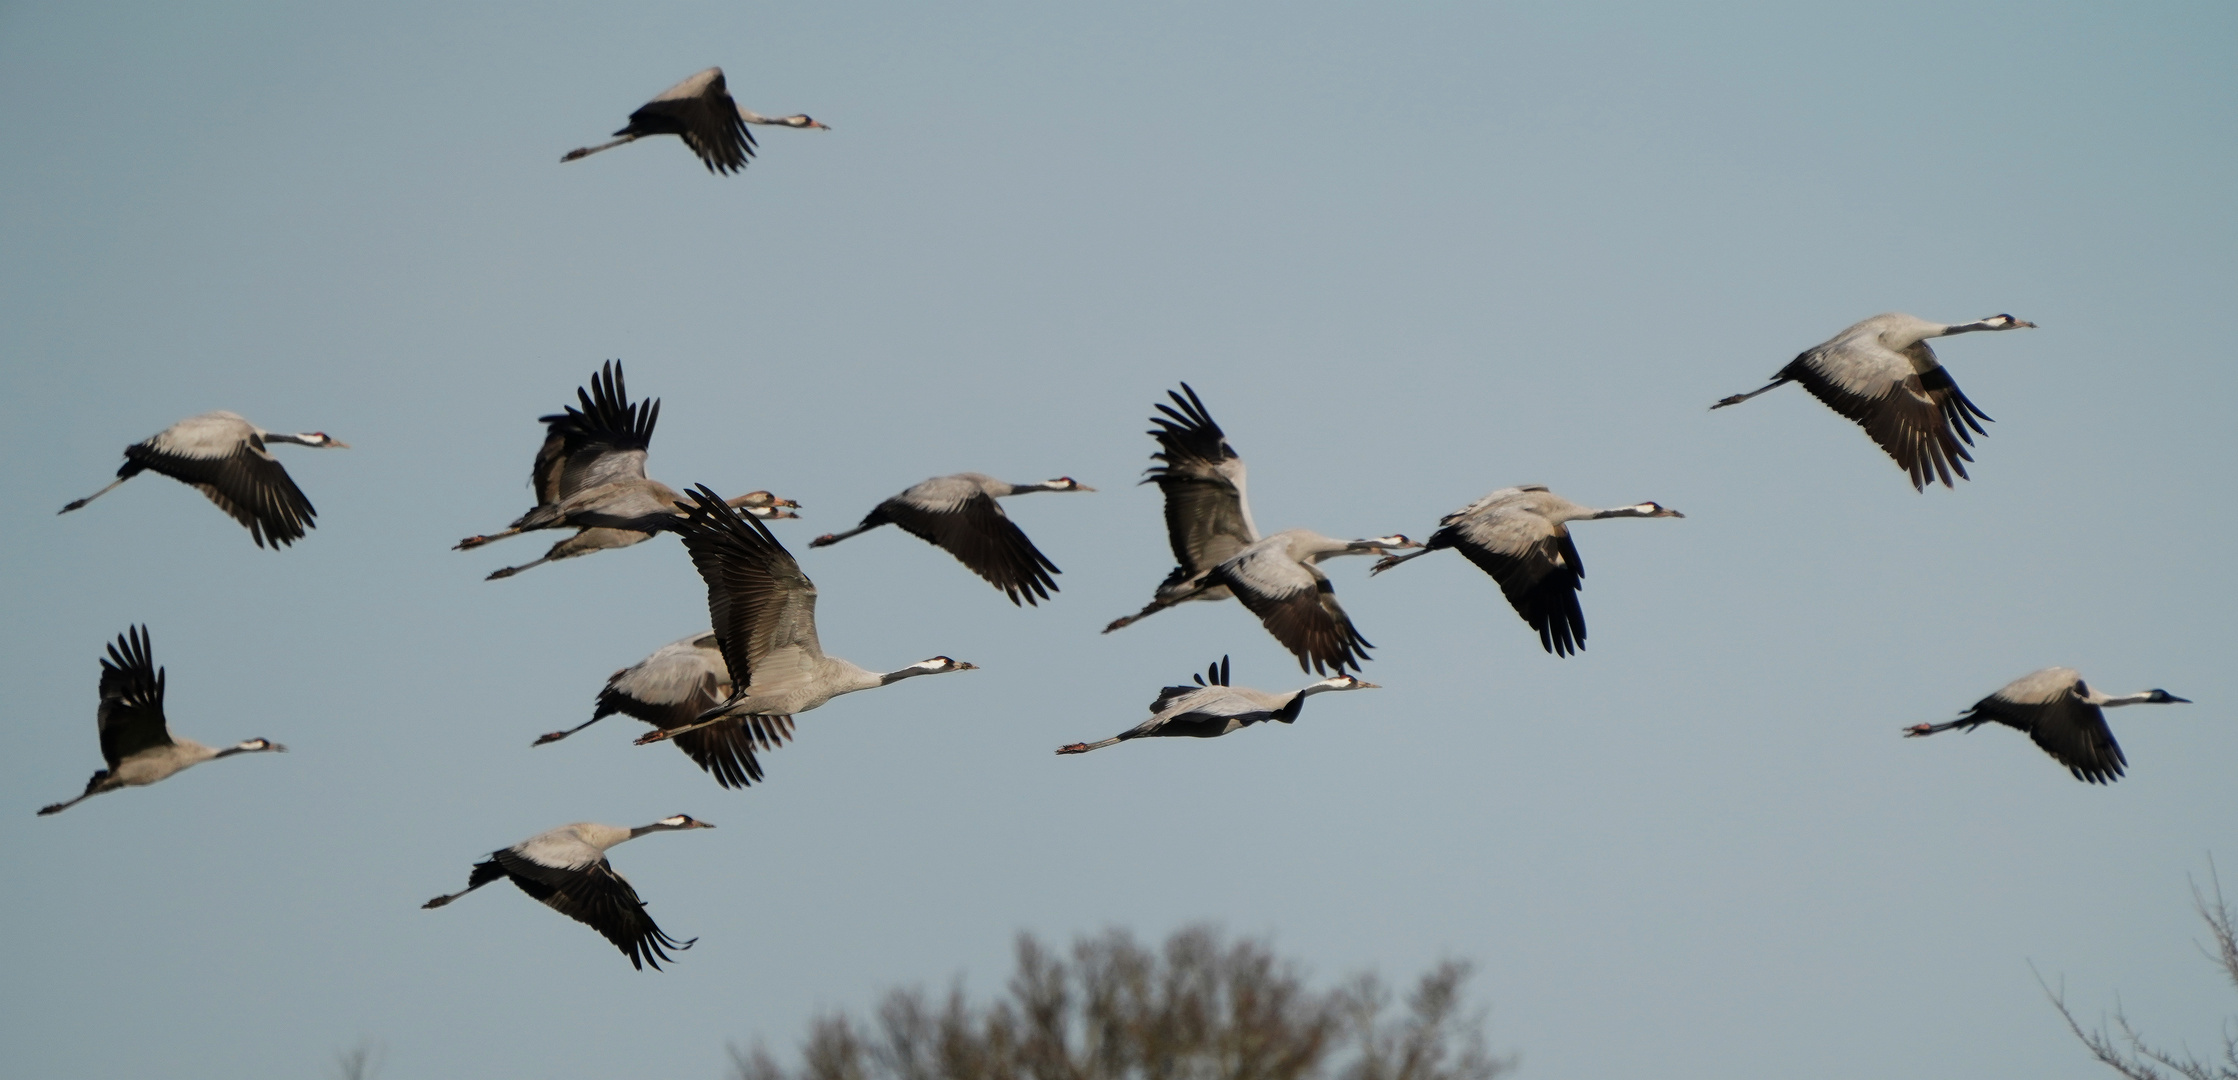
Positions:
{"x": 1407, "y": 255}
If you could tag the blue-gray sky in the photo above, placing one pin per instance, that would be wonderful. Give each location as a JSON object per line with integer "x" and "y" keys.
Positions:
{"x": 1408, "y": 255}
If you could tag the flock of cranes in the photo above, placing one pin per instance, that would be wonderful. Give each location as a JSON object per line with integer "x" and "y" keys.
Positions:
{"x": 727, "y": 695}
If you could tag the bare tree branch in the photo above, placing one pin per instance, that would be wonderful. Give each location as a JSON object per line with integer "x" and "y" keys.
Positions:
{"x": 2133, "y": 1057}
{"x": 1197, "y": 1008}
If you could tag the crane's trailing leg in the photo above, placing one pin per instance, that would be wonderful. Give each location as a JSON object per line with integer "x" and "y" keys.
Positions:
{"x": 484, "y": 873}
{"x": 1389, "y": 561}
{"x": 1152, "y": 608}
{"x": 1082, "y": 748}
{"x": 828, "y": 539}
{"x": 104, "y": 491}
{"x": 555, "y": 736}
{"x": 472, "y": 542}
{"x": 512, "y": 570}
{"x": 1738, "y": 398}
{"x": 586, "y": 151}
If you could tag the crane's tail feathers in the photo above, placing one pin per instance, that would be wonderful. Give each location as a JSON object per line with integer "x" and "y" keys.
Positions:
{"x": 104, "y": 491}
{"x": 1738, "y": 398}
{"x": 581, "y": 152}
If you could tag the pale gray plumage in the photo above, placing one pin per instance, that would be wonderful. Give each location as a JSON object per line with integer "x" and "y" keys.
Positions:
{"x": 958, "y": 513}
{"x": 2063, "y": 715}
{"x": 1882, "y": 374}
{"x": 670, "y": 689}
{"x": 224, "y": 457}
{"x": 1521, "y": 536}
{"x": 1219, "y": 552}
{"x": 1213, "y": 708}
{"x": 764, "y": 613}
{"x": 700, "y": 111}
{"x": 136, "y": 740}
{"x": 1208, "y": 516}
{"x": 566, "y": 869}
{"x": 595, "y": 539}
{"x": 1280, "y": 580}
{"x": 590, "y": 476}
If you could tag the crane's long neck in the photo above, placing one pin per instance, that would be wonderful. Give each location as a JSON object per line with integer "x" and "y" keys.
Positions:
{"x": 797, "y": 120}
{"x": 2142, "y": 697}
{"x": 891, "y": 677}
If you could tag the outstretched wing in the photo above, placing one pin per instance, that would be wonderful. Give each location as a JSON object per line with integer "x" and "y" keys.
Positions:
{"x": 1296, "y": 604}
{"x": 2071, "y": 730}
{"x": 763, "y": 606}
{"x": 672, "y": 687}
{"x": 222, "y": 456}
{"x": 598, "y": 897}
{"x": 131, "y": 716}
{"x": 701, "y": 112}
{"x": 1906, "y": 402}
{"x": 1536, "y": 565}
{"x": 601, "y": 440}
{"x": 1207, "y": 518}
{"x": 971, "y": 525}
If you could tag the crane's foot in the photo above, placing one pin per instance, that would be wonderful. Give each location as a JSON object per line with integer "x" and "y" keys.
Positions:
{"x": 651, "y": 737}
{"x": 470, "y": 543}
{"x": 551, "y": 736}
{"x": 825, "y": 540}
{"x": 1073, "y": 748}
{"x": 1917, "y": 730}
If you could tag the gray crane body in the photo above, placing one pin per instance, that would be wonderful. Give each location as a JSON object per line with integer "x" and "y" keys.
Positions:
{"x": 763, "y": 609}
{"x": 136, "y": 740}
{"x": 223, "y": 456}
{"x": 2063, "y": 715}
{"x": 1213, "y": 708}
{"x": 1881, "y": 374}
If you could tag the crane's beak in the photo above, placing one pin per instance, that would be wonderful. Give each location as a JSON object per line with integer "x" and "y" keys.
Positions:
{"x": 2174, "y": 700}
{"x": 1370, "y": 686}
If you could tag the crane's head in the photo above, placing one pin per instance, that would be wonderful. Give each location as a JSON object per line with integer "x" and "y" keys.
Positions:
{"x": 1343, "y": 682}
{"x": 1382, "y": 545}
{"x": 801, "y": 120}
{"x": 939, "y": 664}
{"x": 761, "y": 498}
{"x": 320, "y": 438}
{"x": 253, "y": 746}
{"x": 1064, "y": 483}
{"x": 2163, "y": 697}
{"x": 1648, "y": 510}
{"x": 2005, "y": 322}
{"x": 682, "y": 821}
